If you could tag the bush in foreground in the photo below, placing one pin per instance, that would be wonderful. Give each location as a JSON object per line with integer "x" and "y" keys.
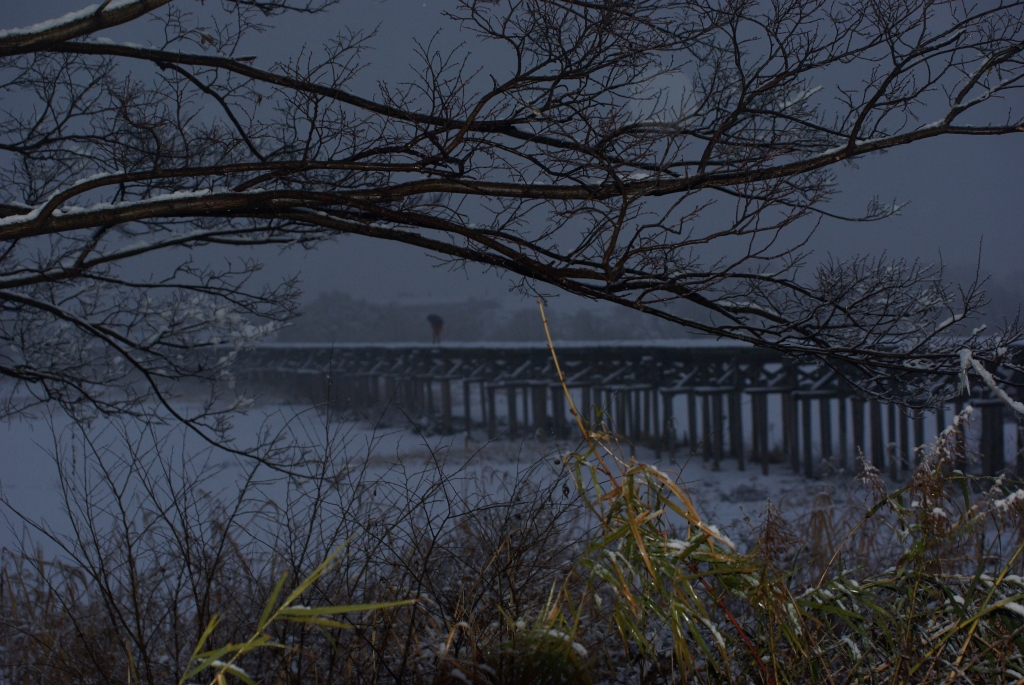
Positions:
{"x": 596, "y": 570}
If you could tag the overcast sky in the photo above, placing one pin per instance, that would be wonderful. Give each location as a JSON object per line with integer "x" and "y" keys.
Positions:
{"x": 962, "y": 193}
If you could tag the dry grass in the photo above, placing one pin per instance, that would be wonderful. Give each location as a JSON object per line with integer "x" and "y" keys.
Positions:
{"x": 599, "y": 570}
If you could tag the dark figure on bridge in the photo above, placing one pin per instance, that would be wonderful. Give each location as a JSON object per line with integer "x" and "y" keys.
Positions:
{"x": 436, "y": 325}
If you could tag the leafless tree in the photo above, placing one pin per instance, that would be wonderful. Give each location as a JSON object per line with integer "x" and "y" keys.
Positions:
{"x": 644, "y": 152}
{"x": 158, "y": 539}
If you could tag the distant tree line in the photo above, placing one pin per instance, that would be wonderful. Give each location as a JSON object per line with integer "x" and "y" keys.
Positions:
{"x": 339, "y": 317}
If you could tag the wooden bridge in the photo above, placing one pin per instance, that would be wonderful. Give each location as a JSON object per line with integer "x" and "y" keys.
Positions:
{"x": 717, "y": 400}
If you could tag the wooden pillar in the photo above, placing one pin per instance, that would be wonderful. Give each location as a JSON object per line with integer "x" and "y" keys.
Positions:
{"x": 844, "y": 457}
{"x": 492, "y": 413}
{"x": 759, "y": 428}
{"x": 960, "y": 462}
{"x": 587, "y": 408}
{"x": 633, "y": 402}
{"x": 364, "y": 391}
{"x": 649, "y": 409}
{"x": 904, "y": 442}
{"x": 390, "y": 388}
{"x": 375, "y": 390}
{"x": 405, "y": 395}
{"x": 992, "y": 448}
{"x": 668, "y": 430}
{"x": 446, "y": 405}
{"x": 618, "y": 403}
{"x": 805, "y": 409}
{"x": 705, "y": 424}
{"x": 940, "y": 419}
{"x": 630, "y": 401}
{"x": 558, "y": 424}
{"x": 790, "y": 440}
{"x": 736, "y": 429}
{"x": 691, "y": 422}
{"x": 919, "y": 439}
{"x": 513, "y": 410}
{"x": 891, "y": 446}
{"x": 540, "y": 410}
{"x": 617, "y": 411}
{"x": 857, "y": 415}
{"x": 825, "y": 426}
{"x": 717, "y": 427}
{"x": 877, "y": 438}
{"x": 755, "y": 428}
{"x": 467, "y": 405}
{"x": 1019, "y": 460}
{"x": 628, "y": 424}
{"x": 408, "y": 395}
{"x": 614, "y": 404}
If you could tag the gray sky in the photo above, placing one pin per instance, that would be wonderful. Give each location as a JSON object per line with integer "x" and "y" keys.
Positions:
{"x": 960, "y": 191}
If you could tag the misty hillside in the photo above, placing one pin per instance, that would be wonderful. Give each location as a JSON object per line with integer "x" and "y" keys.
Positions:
{"x": 338, "y": 317}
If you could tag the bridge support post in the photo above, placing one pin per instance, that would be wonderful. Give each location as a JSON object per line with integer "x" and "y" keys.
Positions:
{"x": 636, "y": 417}
{"x": 691, "y": 422}
{"x": 844, "y": 458}
{"x": 539, "y": 401}
{"x": 492, "y": 413}
{"x": 705, "y": 424}
{"x": 649, "y": 408}
{"x": 790, "y": 440}
{"x": 919, "y": 439}
{"x": 587, "y": 408}
{"x": 891, "y": 444}
{"x": 860, "y": 446}
{"x": 668, "y": 438}
{"x": 992, "y": 447}
{"x": 825, "y": 426}
{"x": 759, "y": 429}
{"x": 736, "y": 429}
{"x": 1019, "y": 458}
{"x": 877, "y": 439}
{"x": 961, "y": 441}
{"x": 375, "y": 384}
{"x": 904, "y": 443}
{"x": 446, "y": 406}
{"x": 622, "y": 411}
{"x": 426, "y": 395}
{"x": 717, "y": 428}
{"x": 805, "y": 410}
{"x": 558, "y": 426}
{"x": 513, "y": 410}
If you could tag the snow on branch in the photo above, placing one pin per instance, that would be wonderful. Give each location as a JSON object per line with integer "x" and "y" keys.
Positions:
{"x": 967, "y": 361}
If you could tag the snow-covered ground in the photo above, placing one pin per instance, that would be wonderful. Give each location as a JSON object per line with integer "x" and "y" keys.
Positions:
{"x": 730, "y": 498}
